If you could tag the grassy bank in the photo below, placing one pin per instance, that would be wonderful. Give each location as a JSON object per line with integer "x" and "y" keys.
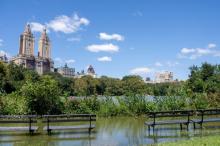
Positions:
{"x": 197, "y": 141}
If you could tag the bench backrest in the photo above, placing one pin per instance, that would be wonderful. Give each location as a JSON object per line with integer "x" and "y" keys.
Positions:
{"x": 6, "y": 119}
{"x": 207, "y": 112}
{"x": 176, "y": 113}
{"x": 69, "y": 118}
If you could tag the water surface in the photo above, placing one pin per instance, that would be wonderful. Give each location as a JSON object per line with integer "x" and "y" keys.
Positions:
{"x": 117, "y": 131}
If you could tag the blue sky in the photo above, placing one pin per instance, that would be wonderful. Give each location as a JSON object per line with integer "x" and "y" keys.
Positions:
{"x": 119, "y": 37}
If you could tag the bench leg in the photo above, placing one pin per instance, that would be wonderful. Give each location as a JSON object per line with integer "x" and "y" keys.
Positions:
{"x": 194, "y": 125}
{"x": 181, "y": 126}
{"x": 201, "y": 125}
{"x": 31, "y": 132}
{"x": 148, "y": 130}
{"x": 49, "y": 131}
{"x": 153, "y": 128}
{"x": 187, "y": 126}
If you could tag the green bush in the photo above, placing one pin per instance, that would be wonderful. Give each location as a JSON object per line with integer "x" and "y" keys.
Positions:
{"x": 14, "y": 104}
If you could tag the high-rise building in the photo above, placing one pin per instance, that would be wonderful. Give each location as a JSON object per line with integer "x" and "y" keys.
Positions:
{"x": 44, "y": 45}
{"x": 164, "y": 77}
{"x": 27, "y": 42}
{"x": 42, "y": 63}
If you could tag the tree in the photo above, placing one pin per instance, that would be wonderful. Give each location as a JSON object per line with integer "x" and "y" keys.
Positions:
{"x": 43, "y": 96}
{"x": 80, "y": 87}
{"x": 133, "y": 85}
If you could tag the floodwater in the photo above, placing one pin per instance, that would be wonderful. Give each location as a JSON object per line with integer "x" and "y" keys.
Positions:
{"x": 116, "y": 131}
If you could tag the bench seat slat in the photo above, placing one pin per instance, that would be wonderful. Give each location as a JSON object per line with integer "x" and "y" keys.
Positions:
{"x": 69, "y": 127}
{"x": 206, "y": 120}
{"x": 68, "y": 120}
{"x": 74, "y": 115}
{"x": 167, "y": 122}
{"x": 33, "y": 128}
{"x": 170, "y": 115}
{"x": 18, "y": 121}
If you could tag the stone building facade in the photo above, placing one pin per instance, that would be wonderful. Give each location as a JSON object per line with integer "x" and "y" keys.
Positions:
{"x": 66, "y": 71}
{"x": 42, "y": 63}
{"x": 164, "y": 77}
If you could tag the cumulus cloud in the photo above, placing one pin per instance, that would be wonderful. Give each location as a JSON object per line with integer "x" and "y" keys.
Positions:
{"x": 61, "y": 61}
{"x": 168, "y": 63}
{"x": 141, "y": 70}
{"x": 37, "y": 27}
{"x": 172, "y": 64}
{"x": 67, "y": 24}
{"x": 158, "y": 64}
{"x": 105, "y": 36}
{"x": 103, "y": 48}
{"x": 62, "y": 23}
{"x": 211, "y": 45}
{"x": 1, "y": 42}
{"x": 70, "y": 61}
{"x": 58, "y": 60}
{"x": 194, "y": 53}
{"x": 187, "y": 50}
{"x": 104, "y": 59}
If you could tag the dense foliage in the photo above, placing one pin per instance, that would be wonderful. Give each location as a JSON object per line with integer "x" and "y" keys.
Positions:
{"x": 23, "y": 91}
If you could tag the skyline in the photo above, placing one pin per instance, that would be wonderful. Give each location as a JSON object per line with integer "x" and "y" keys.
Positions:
{"x": 141, "y": 37}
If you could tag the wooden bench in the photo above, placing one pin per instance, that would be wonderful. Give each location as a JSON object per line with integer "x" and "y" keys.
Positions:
{"x": 203, "y": 113}
{"x": 169, "y": 114}
{"x": 84, "y": 120}
{"x": 18, "y": 119}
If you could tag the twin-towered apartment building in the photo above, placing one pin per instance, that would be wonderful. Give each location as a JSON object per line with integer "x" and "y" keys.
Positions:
{"x": 42, "y": 62}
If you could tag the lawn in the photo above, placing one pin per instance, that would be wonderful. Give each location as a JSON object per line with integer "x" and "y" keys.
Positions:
{"x": 197, "y": 141}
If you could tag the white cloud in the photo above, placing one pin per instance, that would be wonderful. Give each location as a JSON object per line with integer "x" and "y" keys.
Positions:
{"x": 104, "y": 59}
{"x": 62, "y": 23}
{"x": 141, "y": 70}
{"x": 103, "y": 48}
{"x": 36, "y": 27}
{"x": 168, "y": 63}
{"x": 2, "y": 53}
{"x": 187, "y": 50}
{"x": 172, "y": 64}
{"x": 58, "y": 60}
{"x": 158, "y": 64}
{"x": 74, "y": 39}
{"x": 105, "y": 36}
{"x": 67, "y": 24}
{"x": 211, "y": 45}
{"x": 1, "y": 42}
{"x": 70, "y": 61}
{"x": 194, "y": 53}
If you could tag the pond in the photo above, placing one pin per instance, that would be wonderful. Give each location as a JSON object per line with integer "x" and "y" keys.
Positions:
{"x": 116, "y": 131}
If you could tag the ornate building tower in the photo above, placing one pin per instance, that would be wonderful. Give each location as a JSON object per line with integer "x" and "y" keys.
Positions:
{"x": 91, "y": 71}
{"x": 26, "y": 42}
{"x": 44, "y": 45}
{"x": 42, "y": 63}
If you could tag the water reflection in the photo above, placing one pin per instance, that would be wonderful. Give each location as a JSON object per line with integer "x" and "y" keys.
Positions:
{"x": 118, "y": 131}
